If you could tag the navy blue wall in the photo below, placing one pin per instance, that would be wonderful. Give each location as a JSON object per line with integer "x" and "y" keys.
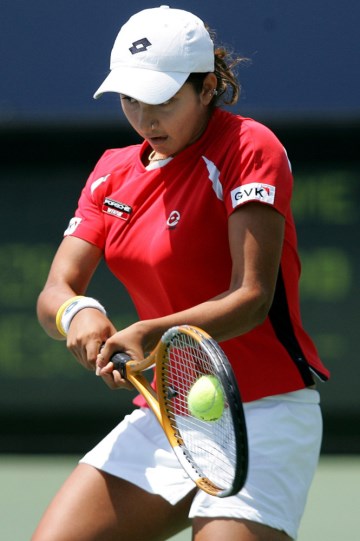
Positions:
{"x": 305, "y": 56}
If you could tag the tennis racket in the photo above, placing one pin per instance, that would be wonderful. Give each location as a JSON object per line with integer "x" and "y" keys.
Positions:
{"x": 214, "y": 454}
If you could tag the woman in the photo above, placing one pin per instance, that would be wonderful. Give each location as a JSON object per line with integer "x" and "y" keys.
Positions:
{"x": 196, "y": 223}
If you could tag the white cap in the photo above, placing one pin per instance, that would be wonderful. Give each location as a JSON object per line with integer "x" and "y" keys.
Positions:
{"x": 155, "y": 52}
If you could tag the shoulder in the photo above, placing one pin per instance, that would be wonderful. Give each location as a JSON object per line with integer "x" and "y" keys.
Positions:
{"x": 110, "y": 168}
{"x": 253, "y": 164}
{"x": 240, "y": 143}
{"x": 244, "y": 130}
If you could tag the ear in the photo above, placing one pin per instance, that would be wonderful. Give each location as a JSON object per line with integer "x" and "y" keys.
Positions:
{"x": 209, "y": 85}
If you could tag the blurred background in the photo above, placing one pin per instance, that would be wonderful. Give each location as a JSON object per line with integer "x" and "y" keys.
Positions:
{"x": 303, "y": 81}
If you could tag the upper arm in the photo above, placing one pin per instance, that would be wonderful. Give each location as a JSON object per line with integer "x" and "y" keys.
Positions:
{"x": 74, "y": 264}
{"x": 256, "y": 233}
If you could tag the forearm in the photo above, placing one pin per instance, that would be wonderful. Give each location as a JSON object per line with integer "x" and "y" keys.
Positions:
{"x": 49, "y": 302}
{"x": 230, "y": 314}
{"x": 70, "y": 274}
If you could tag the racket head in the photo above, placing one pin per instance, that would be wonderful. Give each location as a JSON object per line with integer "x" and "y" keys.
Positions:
{"x": 213, "y": 453}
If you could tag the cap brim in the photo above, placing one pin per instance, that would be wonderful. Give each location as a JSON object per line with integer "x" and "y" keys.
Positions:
{"x": 147, "y": 86}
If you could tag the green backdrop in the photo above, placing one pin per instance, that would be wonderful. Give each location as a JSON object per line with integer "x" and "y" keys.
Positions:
{"x": 50, "y": 404}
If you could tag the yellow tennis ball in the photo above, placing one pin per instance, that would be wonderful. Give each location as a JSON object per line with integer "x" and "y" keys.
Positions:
{"x": 206, "y": 399}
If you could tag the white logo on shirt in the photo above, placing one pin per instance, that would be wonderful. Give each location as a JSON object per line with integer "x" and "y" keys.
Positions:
{"x": 255, "y": 191}
{"x": 97, "y": 183}
{"x": 173, "y": 219}
{"x": 214, "y": 176}
{"x": 73, "y": 224}
{"x": 289, "y": 162}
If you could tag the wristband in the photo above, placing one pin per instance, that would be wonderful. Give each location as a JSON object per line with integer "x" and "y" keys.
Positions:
{"x": 61, "y": 311}
{"x": 71, "y": 307}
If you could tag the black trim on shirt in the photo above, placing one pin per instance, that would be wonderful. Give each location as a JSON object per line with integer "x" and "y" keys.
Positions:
{"x": 280, "y": 319}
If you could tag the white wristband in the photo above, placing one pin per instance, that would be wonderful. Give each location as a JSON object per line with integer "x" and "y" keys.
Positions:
{"x": 75, "y": 307}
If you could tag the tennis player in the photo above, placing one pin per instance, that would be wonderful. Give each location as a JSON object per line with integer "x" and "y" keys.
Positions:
{"x": 196, "y": 223}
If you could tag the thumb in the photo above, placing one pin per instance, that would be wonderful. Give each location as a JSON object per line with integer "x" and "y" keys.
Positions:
{"x": 101, "y": 362}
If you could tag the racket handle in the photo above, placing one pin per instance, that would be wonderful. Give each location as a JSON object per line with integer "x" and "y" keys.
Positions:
{"x": 119, "y": 361}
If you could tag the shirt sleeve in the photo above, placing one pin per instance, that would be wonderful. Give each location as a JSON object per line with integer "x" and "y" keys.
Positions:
{"x": 258, "y": 170}
{"x": 88, "y": 221}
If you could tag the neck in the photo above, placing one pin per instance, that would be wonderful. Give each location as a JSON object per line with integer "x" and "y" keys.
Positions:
{"x": 155, "y": 157}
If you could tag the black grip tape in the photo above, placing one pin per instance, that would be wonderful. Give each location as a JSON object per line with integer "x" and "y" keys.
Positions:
{"x": 119, "y": 360}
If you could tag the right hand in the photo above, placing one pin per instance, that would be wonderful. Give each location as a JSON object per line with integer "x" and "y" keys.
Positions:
{"x": 89, "y": 330}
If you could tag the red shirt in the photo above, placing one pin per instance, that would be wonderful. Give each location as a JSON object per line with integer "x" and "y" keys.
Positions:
{"x": 164, "y": 234}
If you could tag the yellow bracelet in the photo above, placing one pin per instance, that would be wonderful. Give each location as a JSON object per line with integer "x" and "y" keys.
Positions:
{"x": 62, "y": 310}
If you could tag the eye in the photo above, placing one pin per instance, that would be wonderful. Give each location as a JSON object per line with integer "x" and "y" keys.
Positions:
{"x": 128, "y": 98}
{"x": 168, "y": 102}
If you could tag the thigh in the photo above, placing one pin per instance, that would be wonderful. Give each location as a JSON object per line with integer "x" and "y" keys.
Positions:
{"x": 284, "y": 443}
{"x": 95, "y": 506}
{"x": 138, "y": 451}
{"x": 234, "y": 530}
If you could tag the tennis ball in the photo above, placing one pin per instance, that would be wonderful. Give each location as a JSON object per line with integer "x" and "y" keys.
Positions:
{"x": 206, "y": 399}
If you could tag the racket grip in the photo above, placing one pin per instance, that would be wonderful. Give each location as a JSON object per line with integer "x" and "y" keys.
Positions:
{"x": 119, "y": 361}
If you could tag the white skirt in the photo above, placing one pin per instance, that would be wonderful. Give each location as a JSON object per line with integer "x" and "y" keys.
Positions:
{"x": 284, "y": 433}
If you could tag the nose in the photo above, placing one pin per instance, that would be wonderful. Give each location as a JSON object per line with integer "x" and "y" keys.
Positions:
{"x": 147, "y": 121}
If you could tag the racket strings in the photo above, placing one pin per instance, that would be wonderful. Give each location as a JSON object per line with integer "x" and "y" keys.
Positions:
{"x": 209, "y": 446}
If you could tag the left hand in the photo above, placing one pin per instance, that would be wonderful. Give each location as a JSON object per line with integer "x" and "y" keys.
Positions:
{"x": 129, "y": 341}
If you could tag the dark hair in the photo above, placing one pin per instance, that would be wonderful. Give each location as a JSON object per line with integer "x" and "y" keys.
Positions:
{"x": 228, "y": 87}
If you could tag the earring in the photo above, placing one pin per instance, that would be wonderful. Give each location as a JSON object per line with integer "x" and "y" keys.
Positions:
{"x": 214, "y": 92}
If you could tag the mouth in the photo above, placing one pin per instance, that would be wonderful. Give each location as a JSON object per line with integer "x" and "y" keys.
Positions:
{"x": 157, "y": 140}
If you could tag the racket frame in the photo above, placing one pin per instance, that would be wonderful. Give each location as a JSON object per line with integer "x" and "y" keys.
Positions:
{"x": 132, "y": 371}
{"x": 232, "y": 397}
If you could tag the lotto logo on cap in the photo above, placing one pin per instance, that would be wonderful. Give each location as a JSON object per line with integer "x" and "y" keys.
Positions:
{"x": 155, "y": 52}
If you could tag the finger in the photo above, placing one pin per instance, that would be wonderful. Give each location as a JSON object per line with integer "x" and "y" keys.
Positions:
{"x": 109, "y": 381}
{"x": 106, "y": 369}
{"x": 80, "y": 355}
{"x": 93, "y": 348}
{"x": 115, "y": 381}
{"x": 99, "y": 364}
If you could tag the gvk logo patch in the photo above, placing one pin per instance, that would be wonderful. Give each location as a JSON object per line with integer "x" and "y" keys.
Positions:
{"x": 254, "y": 191}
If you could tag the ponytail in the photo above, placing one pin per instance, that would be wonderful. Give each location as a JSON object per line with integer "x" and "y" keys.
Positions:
{"x": 228, "y": 87}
